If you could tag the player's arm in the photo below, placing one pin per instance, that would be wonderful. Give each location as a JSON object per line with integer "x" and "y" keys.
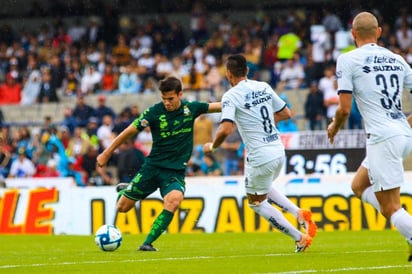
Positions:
{"x": 341, "y": 115}
{"x": 104, "y": 157}
{"x": 215, "y": 107}
{"x": 283, "y": 114}
{"x": 225, "y": 128}
{"x": 410, "y": 119}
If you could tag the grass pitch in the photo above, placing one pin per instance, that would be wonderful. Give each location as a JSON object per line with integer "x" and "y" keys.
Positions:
{"x": 331, "y": 252}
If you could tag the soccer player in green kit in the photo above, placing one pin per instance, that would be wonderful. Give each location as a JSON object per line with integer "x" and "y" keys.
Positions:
{"x": 171, "y": 123}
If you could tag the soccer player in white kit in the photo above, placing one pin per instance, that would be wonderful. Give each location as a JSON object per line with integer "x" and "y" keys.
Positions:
{"x": 376, "y": 77}
{"x": 255, "y": 107}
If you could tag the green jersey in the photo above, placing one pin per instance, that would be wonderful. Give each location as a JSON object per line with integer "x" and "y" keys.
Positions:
{"x": 172, "y": 133}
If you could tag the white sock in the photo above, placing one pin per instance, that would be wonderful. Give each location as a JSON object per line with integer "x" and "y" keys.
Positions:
{"x": 276, "y": 219}
{"x": 403, "y": 222}
{"x": 282, "y": 201}
{"x": 369, "y": 196}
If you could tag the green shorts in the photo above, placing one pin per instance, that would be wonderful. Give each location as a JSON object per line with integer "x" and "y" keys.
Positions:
{"x": 150, "y": 178}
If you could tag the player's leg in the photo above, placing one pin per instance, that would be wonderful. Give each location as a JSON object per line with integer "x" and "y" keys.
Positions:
{"x": 304, "y": 216}
{"x": 172, "y": 189}
{"x": 362, "y": 188}
{"x": 399, "y": 217}
{"x": 124, "y": 204}
{"x": 258, "y": 182}
{"x": 386, "y": 182}
{"x": 139, "y": 188}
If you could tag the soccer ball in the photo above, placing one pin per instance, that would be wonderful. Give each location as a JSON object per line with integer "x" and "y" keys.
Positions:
{"x": 108, "y": 238}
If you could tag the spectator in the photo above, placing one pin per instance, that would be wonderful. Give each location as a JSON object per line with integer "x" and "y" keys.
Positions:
{"x": 129, "y": 160}
{"x": 10, "y": 91}
{"x": 288, "y": 44}
{"x": 102, "y": 109}
{"x": 194, "y": 80}
{"x": 94, "y": 32}
{"x": 144, "y": 141}
{"x": 31, "y": 88}
{"x": 146, "y": 64}
{"x": 212, "y": 80}
{"x": 121, "y": 51}
{"x": 327, "y": 85}
{"x": 230, "y": 152}
{"x": 134, "y": 112}
{"x": 321, "y": 47}
{"x": 78, "y": 144}
{"x": 48, "y": 171}
{"x": 355, "y": 118}
{"x": 122, "y": 121}
{"x": 210, "y": 166}
{"x": 57, "y": 152}
{"x": 129, "y": 81}
{"x": 163, "y": 67}
{"x": 404, "y": 36}
{"x": 14, "y": 69}
{"x": 48, "y": 90}
{"x": 22, "y": 167}
{"x": 57, "y": 70}
{"x": 68, "y": 119}
{"x": 110, "y": 79}
{"x": 291, "y": 76}
{"x": 82, "y": 111}
{"x": 288, "y": 125}
{"x": 88, "y": 166}
{"x": 314, "y": 107}
{"x": 5, "y": 159}
{"x": 104, "y": 132}
{"x": 202, "y": 130}
{"x": 90, "y": 81}
{"x": 71, "y": 85}
{"x": 76, "y": 31}
{"x": 179, "y": 70}
{"x": 91, "y": 131}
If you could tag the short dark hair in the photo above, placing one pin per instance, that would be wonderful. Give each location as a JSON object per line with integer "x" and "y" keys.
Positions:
{"x": 237, "y": 65}
{"x": 170, "y": 83}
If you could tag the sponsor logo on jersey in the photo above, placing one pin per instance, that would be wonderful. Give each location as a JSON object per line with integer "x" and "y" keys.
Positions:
{"x": 380, "y": 60}
{"x": 186, "y": 111}
{"x": 368, "y": 69}
{"x": 381, "y": 63}
{"x": 144, "y": 123}
{"x": 257, "y": 97}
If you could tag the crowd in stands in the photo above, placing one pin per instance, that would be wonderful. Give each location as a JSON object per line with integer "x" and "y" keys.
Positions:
{"x": 294, "y": 52}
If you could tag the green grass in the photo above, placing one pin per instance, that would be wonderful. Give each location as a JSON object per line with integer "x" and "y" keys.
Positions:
{"x": 331, "y": 252}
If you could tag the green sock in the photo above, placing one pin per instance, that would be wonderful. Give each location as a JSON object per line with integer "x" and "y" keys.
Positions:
{"x": 159, "y": 226}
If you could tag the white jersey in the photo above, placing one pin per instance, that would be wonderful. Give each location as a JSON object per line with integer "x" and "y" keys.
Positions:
{"x": 376, "y": 78}
{"x": 251, "y": 105}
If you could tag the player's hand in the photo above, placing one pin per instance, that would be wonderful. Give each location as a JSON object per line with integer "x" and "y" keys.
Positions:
{"x": 332, "y": 131}
{"x": 206, "y": 147}
{"x": 101, "y": 160}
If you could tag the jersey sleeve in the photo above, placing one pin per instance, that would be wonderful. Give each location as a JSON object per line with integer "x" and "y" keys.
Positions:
{"x": 142, "y": 121}
{"x": 198, "y": 107}
{"x": 277, "y": 102}
{"x": 408, "y": 76}
{"x": 344, "y": 74}
{"x": 228, "y": 108}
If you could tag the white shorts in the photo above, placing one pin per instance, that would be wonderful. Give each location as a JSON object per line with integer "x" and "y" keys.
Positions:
{"x": 384, "y": 162}
{"x": 258, "y": 180}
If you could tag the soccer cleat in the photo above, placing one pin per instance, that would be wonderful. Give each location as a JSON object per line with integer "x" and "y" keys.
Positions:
{"x": 304, "y": 243}
{"x": 121, "y": 186}
{"x": 305, "y": 220}
{"x": 410, "y": 252}
{"x": 147, "y": 247}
